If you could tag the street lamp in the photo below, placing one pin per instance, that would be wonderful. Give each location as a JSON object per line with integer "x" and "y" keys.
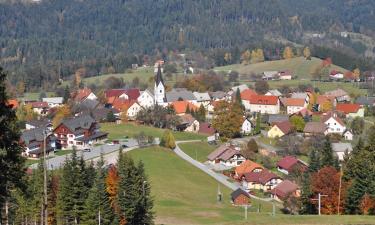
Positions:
{"x": 143, "y": 187}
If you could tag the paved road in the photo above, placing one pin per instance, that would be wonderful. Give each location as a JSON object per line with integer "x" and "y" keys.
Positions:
{"x": 95, "y": 152}
{"x": 219, "y": 177}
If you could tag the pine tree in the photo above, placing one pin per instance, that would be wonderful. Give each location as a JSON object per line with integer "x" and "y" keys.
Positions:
{"x": 314, "y": 161}
{"x": 168, "y": 140}
{"x": 66, "y": 94}
{"x": 53, "y": 187}
{"x": 98, "y": 200}
{"x": 12, "y": 162}
{"x": 238, "y": 97}
{"x": 201, "y": 113}
{"x": 257, "y": 125}
{"x": 327, "y": 158}
{"x": 306, "y": 194}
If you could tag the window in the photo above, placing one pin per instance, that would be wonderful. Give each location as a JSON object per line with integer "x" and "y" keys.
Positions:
{"x": 161, "y": 91}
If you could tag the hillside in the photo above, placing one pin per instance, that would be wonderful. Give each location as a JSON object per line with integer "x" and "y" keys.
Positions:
{"x": 300, "y": 67}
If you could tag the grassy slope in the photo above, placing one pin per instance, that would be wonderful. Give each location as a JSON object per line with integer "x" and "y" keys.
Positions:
{"x": 118, "y": 131}
{"x": 185, "y": 195}
{"x": 198, "y": 150}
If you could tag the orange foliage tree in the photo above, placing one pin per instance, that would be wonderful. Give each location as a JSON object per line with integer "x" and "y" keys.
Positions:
{"x": 326, "y": 182}
{"x": 367, "y": 204}
{"x": 112, "y": 185}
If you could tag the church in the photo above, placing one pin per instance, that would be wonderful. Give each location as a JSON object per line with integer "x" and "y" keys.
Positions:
{"x": 159, "y": 88}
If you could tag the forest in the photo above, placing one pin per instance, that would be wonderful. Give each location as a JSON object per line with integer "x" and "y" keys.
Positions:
{"x": 43, "y": 42}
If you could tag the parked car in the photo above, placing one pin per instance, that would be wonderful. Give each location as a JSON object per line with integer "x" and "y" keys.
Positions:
{"x": 116, "y": 142}
{"x": 86, "y": 150}
{"x": 124, "y": 146}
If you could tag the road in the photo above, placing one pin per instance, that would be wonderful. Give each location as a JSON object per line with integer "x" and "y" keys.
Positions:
{"x": 106, "y": 150}
{"x": 219, "y": 177}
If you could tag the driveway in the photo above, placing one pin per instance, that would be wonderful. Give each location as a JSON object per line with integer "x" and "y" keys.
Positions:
{"x": 217, "y": 176}
{"x": 58, "y": 161}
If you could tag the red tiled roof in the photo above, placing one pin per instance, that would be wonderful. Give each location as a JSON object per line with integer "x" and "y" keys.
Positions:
{"x": 261, "y": 177}
{"x": 132, "y": 93}
{"x": 13, "y": 103}
{"x": 283, "y": 189}
{"x": 304, "y": 112}
{"x": 264, "y": 100}
{"x": 247, "y": 94}
{"x": 348, "y": 107}
{"x": 284, "y": 126}
{"x": 287, "y": 162}
{"x": 294, "y": 102}
{"x": 82, "y": 94}
{"x": 181, "y": 106}
{"x": 321, "y": 99}
{"x": 39, "y": 104}
{"x": 247, "y": 167}
{"x": 206, "y": 128}
{"x": 122, "y": 104}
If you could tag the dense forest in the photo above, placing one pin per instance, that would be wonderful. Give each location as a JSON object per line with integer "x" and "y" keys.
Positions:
{"x": 44, "y": 41}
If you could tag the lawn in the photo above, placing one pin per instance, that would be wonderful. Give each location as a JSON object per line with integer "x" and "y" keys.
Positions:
{"x": 58, "y": 153}
{"x": 34, "y": 96}
{"x": 119, "y": 131}
{"x": 185, "y": 195}
{"x": 198, "y": 150}
{"x": 300, "y": 67}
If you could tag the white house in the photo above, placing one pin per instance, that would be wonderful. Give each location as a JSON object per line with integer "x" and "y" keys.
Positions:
{"x": 226, "y": 155}
{"x": 334, "y": 123}
{"x": 265, "y": 104}
{"x": 133, "y": 110}
{"x": 146, "y": 99}
{"x": 348, "y": 135}
{"x": 246, "y": 127}
{"x": 159, "y": 88}
{"x": 294, "y": 105}
{"x": 53, "y": 102}
{"x": 341, "y": 148}
{"x": 202, "y": 99}
{"x": 263, "y": 180}
{"x": 274, "y": 92}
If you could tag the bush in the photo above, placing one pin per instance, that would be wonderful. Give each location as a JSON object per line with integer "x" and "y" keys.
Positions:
{"x": 168, "y": 140}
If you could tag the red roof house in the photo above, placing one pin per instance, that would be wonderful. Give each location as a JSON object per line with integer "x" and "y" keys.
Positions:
{"x": 247, "y": 94}
{"x": 348, "y": 107}
{"x": 288, "y": 163}
{"x": 263, "y": 180}
{"x": 264, "y": 100}
{"x": 206, "y": 128}
{"x": 247, "y": 167}
{"x": 180, "y": 107}
{"x": 131, "y": 94}
{"x": 284, "y": 189}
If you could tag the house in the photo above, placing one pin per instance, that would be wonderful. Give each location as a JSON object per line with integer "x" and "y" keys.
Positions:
{"x": 227, "y": 155}
{"x": 180, "y": 107}
{"x": 351, "y": 110}
{"x": 206, "y": 128}
{"x": 285, "y": 189}
{"x": 265, "y": 104}
{"x": 83, "y": 94}
{"x": 202, "y": 98}
{"x": 246, "y": 127}
{"x": 159, "y": 88}
{"x": 32, "y": 124}
{"x": 280, "y": 129}
{"x": 348, "y": 135}
{"x": 365, "y": 101}
{"x": 294, "y": 105}
{"x": 315, "y": 128}
{"x": 158, "y": 66}
{"x": 241, "y": 87}
{"x": 180, "y": 94}
{"x": 246, "y": 95}
{"x": 274, "y": 118}
{"x": 146, "y": 99}
{"x": 101, "y": 114}
{"x": 301, "y": 95}
{"x": 128, "y": 94}
{"x": 305, "y": 114}
{"x": 188, "y": 123}
{"x": 339, "y": 94}
{"x": 33, "y": 142}
{"x": 285, "y": 75}
{"x": 274, "y": 92}
{"x": 247, "y": 166}
{"x": 85, "y": 106}
{"x": 218, "y": 95}
{"x": 323, "y": 100}
{"x": 240, "y": 197}
{"x": 262, "y": 180}
{"x": 54, "y": 101}
{"x": 81, "y": 132}
{"x": 133, "y": 109}
{"x": 287, "y": 164}
{"x": 334, "y": 124}
{"x": 40, "y": 108}
{"x": 341, "y": 148}
{"x": 270, "y": 75}
{"x": 336, "y": 75}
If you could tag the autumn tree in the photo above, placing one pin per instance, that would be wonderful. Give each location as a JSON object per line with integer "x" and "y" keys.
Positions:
{"x": 228, "y": 119}
{"x": 307, "y": 53}
{"x": 246, "y": 57}
{"x": 21, "y": 88}
{"x": 327, "y": 182}
{"x": 168, "y": 140}
{"x": 257, "y": 55}
{"x": 112, "y": 186}
{"x": 62, "y": 113}
{"x": 297, "y": 122}
{"x": 228, "y": 57}
{"x": 250, "y": 150}
{"x": 368, "y": 205}
{"x": 356, "y": 74}
{"x": 326, "y": 106}
{"x": 288, "y": 53}
{"x": 26, "y": 113}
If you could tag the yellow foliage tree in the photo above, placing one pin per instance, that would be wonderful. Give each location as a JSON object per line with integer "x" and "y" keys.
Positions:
{"x": 288, "y": 53}
{"x": 327, "y": 106}
{"x": 356, "y": 73}
{"x": 124, "y": 115}
{"x": 246, "y": 56}
{"x": 26, "y": 113}
{"x": 21, "y": 88}
{"x": 307, "y": 53}
{"x": 228, "y": 57}
{"x": 62, "y": 112}
{"x": 257, "y": 55}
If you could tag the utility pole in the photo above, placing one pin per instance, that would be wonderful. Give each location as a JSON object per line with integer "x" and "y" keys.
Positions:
{"x": 45, "y": 179}
{"x": 319, "y": 202}
{"x": 99, "y": 217}
{"x": 339, "y": 199}
{"x": 245, "y": 212}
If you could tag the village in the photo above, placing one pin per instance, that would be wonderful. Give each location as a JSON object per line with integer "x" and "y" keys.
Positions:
{"x": 266, "y": 158}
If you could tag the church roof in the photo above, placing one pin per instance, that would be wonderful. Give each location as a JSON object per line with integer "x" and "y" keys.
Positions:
{"x": 159, "y": 77}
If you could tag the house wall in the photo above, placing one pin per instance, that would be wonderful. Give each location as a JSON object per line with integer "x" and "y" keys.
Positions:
{"x": 133, "y": 111}
{"x": 294, "y": 109}
{"x": 360, "y": 113}
{"x": 146, "y": 100}
{"x": 282, "y": 170}
{"x": 194, "y": 127}
{"x": 246, "y": 127}
{"x": 92, "y": 96}
{"x": 159, "y": 93}
{"x": 241, "y": 200}
{"x": 275, "y": 132}
{"x": 269, "y": 109}
{"x": 334, "y": 127}
{"x": 348, "y": 136}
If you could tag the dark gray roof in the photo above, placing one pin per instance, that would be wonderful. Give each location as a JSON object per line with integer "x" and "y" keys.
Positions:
{"x": 92, "y": 137}
{"x": 78, "y": 123}
{"x": 179, "y": 93}
{"x": 39, "y": 123}
{"x": 33, "y": 135}
{"x": 85, "y": 106}
{"x": 276, "y": 118}
{"x": 159, "y": 77}
{"x": 237, "y": 193}
{"x": 217, "y": 95}
{"x": 101, "y": 113}
{"x": 365, "y": 100}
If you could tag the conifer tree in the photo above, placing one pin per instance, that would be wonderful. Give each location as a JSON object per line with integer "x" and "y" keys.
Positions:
{"x": 11, "y": 160}
{"x": 257, "y": 125}
{"x": 314, "y": 161}
{"x": 327, "y": 158}
{"x": 201, "y": 113}
{"x": 306, "y": 194}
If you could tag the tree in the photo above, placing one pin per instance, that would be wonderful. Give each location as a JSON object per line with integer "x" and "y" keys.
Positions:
{"x": 291, "y": 204}
{"x": 326, "y": 182}
{"x": 368, "y": 205}
{"x": 124, "y": 115}
{"x": 110, "y": 116}
{"x": 288, "y": 53}
{"x": 12, "y": 162}
{"x": 314, "y": 161}
{"x": 307, "y": 206}
{"x": 246, "y": 57}
{"x": 249, "y": 151}
{"x": 53, "y": 186}
{"x": 21, "y": 88}
{"x": 297, "y": 122}
{"x": 26, "y": 113}
{"x": 66, "y": 96}
{"x": 356, "y": 73}
{"x": 357, "y": 125}
{"x": 228, "y": 119}
{"x": 62, "y": 113}
{"x": 307, "y": 53}
{"x": 257, "y": 55}
{"x": 327, "y": 106}
{"x": 201, "y": 114}
{"x": 170, "y": 68}
{"x": 168, "y": 140}
{"x": 257, "y": 128}
{"x": 233, "y": 76}
{"x": 228, "y": 57}
{"x": 261, "y": 87}
{"x": 327, "y": 158}
{"x": 112, "y": 186}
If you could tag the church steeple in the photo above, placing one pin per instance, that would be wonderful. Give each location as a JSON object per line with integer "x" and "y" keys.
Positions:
{"x": 159, "y": 89}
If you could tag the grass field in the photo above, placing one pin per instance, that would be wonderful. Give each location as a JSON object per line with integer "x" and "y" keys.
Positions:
{"x": 299, "y": 66}
{"x": 198, "y": 150}
{"x": 119, "y": 131}
{"x": 185, "y": 195}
